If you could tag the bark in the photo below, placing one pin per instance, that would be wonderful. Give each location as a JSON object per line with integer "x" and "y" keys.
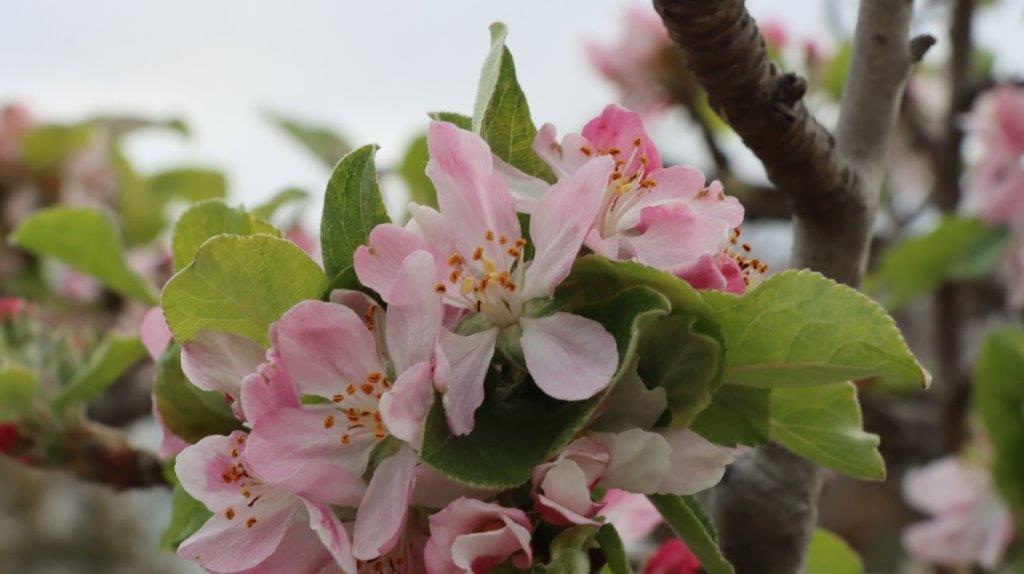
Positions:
{"x": 765, "y": 511}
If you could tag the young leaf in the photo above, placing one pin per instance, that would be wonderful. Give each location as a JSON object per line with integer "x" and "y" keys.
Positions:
{"x": 352, "y": 208}
{"x": 112, "y": 358}
{"x": 463, "y": 121}
{"x": 413, "y": 171}
{"x": 830, "y": 554}
{"x": 240, "y": 284}
{"x": 689, "y": 522}
{"x": 187, "y": 516}
{"x": 528, "y": 428}
{"x": 189, "y": 184}
{"x": 824, "y": 424}
{"x": 501, "y": 115}
{"x": 48, "y": 147}
{"x": 189, "y": 412}
{"x": 959, "y": 248}
{"x": 570, "y": 551}
{"x": 798, "y": 328}
{"x": 617, "y": 561}
{"x": 999, "y": 398}
{"x": 18, "y": 388}
{"x": 325, "y": 143}
{"x": 268, "y": 209}
{"x": 209, "y": 219}
{"x": 737, "y": 415}
{"x": 87, "y": 240}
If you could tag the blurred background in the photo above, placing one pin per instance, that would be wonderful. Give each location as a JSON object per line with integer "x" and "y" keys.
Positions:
{"x": 371, "y": 71}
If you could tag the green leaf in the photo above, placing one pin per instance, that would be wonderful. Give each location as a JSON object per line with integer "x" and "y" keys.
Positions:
{"x": 240, "y": 284}
{"x": 190, "y": 413}
{"x": 326, "y": 144}
{"x": 352, "y": 208}
{"x": 570, "y": 551}
{"x": 87, "y": 240}
{"x": 830, "y": 554}
{"x": 142, "y": 212}
{"x": 189, "y": 184}
{"x": 48, "y": 147}
{"x": 737, "y": 415}
{"x": 209, "y": 219}
{"x": 834, "y": 78}
{"x": 112, "y": 358}
{"x": 187, "y": 516}
{"x": 824, "y": 424}
{"x": 960, "y": 248}
{"x": 514, "y": 434}
{"x": 18, "y": 388}
{"x": 689, "y": 522}
{"x": 999, "y": 399}
{"x": 269, "y": 208}
{"x": 463, "y": 121}
{"x": 413, "y": 171}
{"x": 617, "y": 561}
{"x": 798, "y": 328}
{"x": 501, "y": 115}
{"x": 121, "y": 125}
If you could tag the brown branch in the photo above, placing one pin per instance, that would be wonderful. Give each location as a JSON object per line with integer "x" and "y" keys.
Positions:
{"x": 766, "y": 509}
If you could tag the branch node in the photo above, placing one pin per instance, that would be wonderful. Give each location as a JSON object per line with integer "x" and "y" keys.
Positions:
{"x": 919, "y": 46}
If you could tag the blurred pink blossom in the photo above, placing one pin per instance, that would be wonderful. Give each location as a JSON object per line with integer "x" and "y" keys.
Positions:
{"x": 995, "y": 187}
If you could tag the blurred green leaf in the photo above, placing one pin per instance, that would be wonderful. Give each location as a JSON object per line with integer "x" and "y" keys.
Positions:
{"x": 209, "y": 219}
{"x": 326, "y": 144}
{"x": 48, "y": 147}
{"x": 830, "y": 554}
{"x": 413, "y": 171}
{"x": 834, "y": 78}
{"x": 190, "y": 184}
{"x": 960, "y": 248}
{"x": 240, "y": 284}
{"x": 501, "y": 115}
{"x": 269, "y": 208}
{"x": 352, "y": 208}
{"x": 18, "y": 388}
{"x": 87, "y": 240}
{"x": 824, "y": 424}
{"x": 115, "y": 355}
{"x": 142, "y": 212}
{"x": 999, "y": 399}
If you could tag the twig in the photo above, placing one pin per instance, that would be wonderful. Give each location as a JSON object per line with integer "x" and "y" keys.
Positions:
{"x": 766, "y": 510}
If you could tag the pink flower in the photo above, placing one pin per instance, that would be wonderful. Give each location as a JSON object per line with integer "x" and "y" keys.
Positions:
{"x": 155, "y": 333}
{"x": 632, "y": 515}
{"x": 663, "y": 217}
{"x": 477, "y": 244}
{"x": 15, "y": 122}
{"x": 970, "y": 524}
{"x": 11, "y": 307}
{"x": 255, "y": 527}
{"x": 562, "y": 487}
{"x": 672, "y": 557}
{"x": 775, "y": 33}
{"x": 640, "y": 61}
{"x": 996, "y": 184}
{"x": 471, "y": 536}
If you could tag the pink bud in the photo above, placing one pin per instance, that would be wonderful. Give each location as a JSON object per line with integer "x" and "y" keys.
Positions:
{"x": 672, "y": 557}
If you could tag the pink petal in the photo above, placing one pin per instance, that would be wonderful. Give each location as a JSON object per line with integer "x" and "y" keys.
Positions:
{"x": 455, "y": 541}
{"x": 332, "y": 534}
{"x": 472, "y": 196}
{"x": 297, "y": 449}
{"x": 377, "y": 264}
{"x": 360, "y": 303}
{"x": 325, "y": 347}
{"x": 720, "y": 272}
{"x": 944, "y": 485}
{"x": 405, "y": 405}
{"x": 267, "y": 390}
{"x": 633, "y": 515}
{"x": 696, "y": 464}
{"x": 155, "y": 333}
{"x": 618, "y": 128}
{"x": 674, "y": 237}
{"x": 559, "y": 224}
{"x": 219, "y": 361}
{"x": 385, "y": 508}
{"x": 526, "y": 188}
{"x": 569, "y": 357}
{"x": 640, "y": 460}
{"x": 610, "y": 248}
{"x": 565, "y": 495}
{"x": 415, "y": 312}
{"x": 170, "y": 443}
{"x": 249, "y": 537}
{"x": 200, "y": 469}
{"x": 564, "y": 158}
{"x": 300, "y": 552}
{"x": 460, "y": 373}
{"x": 434, "y": 490}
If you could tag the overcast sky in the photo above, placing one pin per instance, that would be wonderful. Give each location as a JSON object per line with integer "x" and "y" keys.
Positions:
{"x": 370, "y": 68}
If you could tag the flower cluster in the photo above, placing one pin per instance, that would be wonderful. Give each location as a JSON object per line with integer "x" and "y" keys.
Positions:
{"x": 995, "y": 189}
{"x": 328, "y": 472}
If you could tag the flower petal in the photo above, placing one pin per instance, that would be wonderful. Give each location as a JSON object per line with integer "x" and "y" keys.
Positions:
{"x": 632, "y": 405}
{"x": 560, "y": 222}
{"x": 332, "y": 534}
{"x": 155, "y": 333}
{"x": 633, "y": 515}
{"x": 404, "y": 407}
{"x": 569, "y": 357}
{"x": 300, "y": 551}
{"x": 619, "y": 128}
{"x": 265, "y": 391}
{"x": 298, "y": 449}
{"x": 325, "y": 347}
{"x": 640, "y": 461}
{"x": 673, "y": 237}
{"x": 201, "y": 468}
{"x": 382, "y": 514}
{"x": 460, "y": 373}
{"x": 415, "y": 312}
{"x": 696, "y": 464}
{"x": 564, "y": 495}
{"x": 377, "y": 264}
{"x": 219, "y": 361}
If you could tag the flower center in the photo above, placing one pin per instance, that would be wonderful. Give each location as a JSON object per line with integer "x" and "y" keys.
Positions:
{"x": 488, "y": 281}
{"x": 626, "y": 186}
{"x": 359, "y": 409}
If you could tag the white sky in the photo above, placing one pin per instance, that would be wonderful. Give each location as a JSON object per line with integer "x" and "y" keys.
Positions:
{"x": 371, "y": 67}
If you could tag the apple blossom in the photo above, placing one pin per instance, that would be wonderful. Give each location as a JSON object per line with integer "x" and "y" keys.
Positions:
{"x": 477, "y": 243}
{"x": 970, "y": 524}
{"x": 995, "y": 187}
{"x": 672, "y": 557}
{"x": 471, "y": 536}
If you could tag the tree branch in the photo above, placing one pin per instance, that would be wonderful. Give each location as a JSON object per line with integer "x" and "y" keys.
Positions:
{"x": 766, "y": 509}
